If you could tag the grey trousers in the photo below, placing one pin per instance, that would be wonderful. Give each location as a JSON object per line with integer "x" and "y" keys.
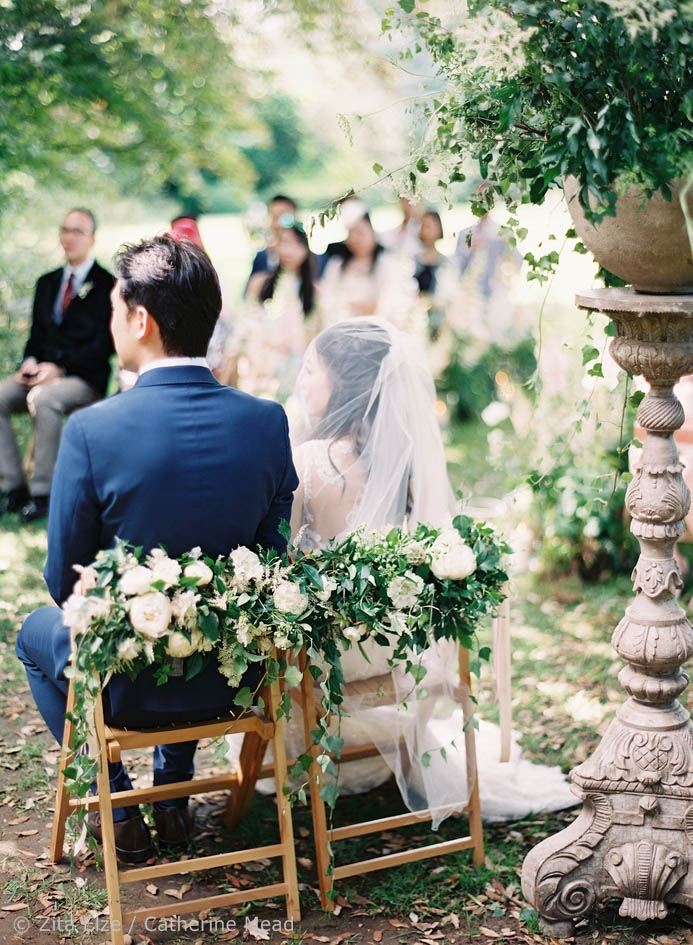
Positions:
{"x": 48, "y": 404}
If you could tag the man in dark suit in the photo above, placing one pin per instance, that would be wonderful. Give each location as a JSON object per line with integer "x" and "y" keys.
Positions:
{"x": 178, "y": 460}
{"x": 65, "y": 364}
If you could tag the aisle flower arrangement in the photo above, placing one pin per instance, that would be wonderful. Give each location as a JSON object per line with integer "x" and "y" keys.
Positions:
{"x": 403, "y": 590}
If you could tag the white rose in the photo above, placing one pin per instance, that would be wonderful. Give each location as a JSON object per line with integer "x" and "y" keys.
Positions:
{"x": 151, "y": 614}
{"x": 354, "y": 634}
{"x": 328, "y": 586}
{"x": 246, "y": 568}
{"x": 164, "y": 569}
{"x": 200, "y": 571}
{"x": 137, "y": 580}
{"x": 180, "y": 647}
{"x": 184, "y": 608}
{"x": 288, "y": 598}
{"x": 404, "y": 591}
{"x": 129, "y": 650}
{"x": 455, "y": 564}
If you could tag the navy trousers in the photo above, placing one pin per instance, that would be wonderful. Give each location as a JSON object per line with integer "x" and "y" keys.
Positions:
{"x": 43, "y": 646}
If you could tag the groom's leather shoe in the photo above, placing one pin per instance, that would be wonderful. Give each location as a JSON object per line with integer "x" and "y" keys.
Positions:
{"x": 173, "y": 827}
{"x": 14, "y": 500}
{"x": 132, "y": 838}
{"x": 35, "y": 509}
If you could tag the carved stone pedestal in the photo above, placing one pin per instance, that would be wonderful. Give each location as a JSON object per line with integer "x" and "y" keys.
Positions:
{"x": 633, "y": 840}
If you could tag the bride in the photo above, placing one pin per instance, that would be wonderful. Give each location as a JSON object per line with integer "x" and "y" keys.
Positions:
{"x": 368, "y": 452}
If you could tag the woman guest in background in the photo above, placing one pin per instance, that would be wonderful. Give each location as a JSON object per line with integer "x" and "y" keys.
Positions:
{"x": 362, "y": 278}
{"x": 281, "y": 317}
{"x": 435, "y": 273}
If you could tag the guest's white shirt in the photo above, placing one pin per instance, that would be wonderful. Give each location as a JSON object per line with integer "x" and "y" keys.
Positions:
{"x": 173, "y": 362}
{"x": 80, "y": 274}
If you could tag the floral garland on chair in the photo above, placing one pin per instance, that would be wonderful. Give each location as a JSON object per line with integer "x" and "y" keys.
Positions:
{"x": 402, "y": 590}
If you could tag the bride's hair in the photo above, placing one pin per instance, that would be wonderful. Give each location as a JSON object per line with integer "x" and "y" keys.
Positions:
{"x": 353, "y": 362}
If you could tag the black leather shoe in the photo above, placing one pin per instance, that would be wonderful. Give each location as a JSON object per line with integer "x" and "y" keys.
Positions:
{"x": 173, "y": 827}
{"x": 35, "y": 508}
{"x": 14, "y": 500}
{"x": 132, "y": 838}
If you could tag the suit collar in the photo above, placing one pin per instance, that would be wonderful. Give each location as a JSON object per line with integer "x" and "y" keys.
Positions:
{"x": 190, "y": 374}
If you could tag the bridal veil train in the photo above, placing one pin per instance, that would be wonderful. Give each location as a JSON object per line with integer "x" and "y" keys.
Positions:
{"x": 369, "y": 454}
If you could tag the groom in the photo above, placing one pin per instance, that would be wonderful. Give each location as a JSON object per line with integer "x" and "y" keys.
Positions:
{"x": 180, "y": 461}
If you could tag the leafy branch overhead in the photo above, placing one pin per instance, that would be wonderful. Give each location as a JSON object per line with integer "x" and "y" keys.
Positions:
{"x": 536, "y": 91}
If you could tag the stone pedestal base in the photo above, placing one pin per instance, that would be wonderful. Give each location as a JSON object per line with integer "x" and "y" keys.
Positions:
{"x": 633, "y": 840}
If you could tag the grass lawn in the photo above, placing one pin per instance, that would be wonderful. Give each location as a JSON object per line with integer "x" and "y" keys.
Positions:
{"x": 565, "y": 691}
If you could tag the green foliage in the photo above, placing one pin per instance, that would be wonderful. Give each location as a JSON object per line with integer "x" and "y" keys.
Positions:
{"x": 536, "y": 91}
{"x": 468, "y": 382}
{"x": 119, "y": 87}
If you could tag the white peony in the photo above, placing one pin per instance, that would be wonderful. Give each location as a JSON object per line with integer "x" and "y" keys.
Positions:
{"x": 404, "y": 591}
{"x": 289, "y": 599}
{"x": 137, "y": 580}
{"x": 452, "y": 558}
{"x": 179, "y": 647}
{"x": 246, "y": 568}
{"x": 129, "y": 650}
{"x": 151, "y": 614}
{"x": 184, "y": 607}
{"x": 200, "y": 571}
{"x": 328, "y": 587}
{"x": 354, "y": 634}
{"x": 164, "y": 568}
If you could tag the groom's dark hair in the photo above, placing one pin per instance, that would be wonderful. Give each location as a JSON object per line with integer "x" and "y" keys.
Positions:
{"x": 177, "y": 284}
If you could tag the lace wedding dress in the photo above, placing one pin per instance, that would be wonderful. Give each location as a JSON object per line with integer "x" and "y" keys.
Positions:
{"x": 373, "y": 457}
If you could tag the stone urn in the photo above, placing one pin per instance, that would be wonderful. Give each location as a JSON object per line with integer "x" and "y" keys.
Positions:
{"x": 646, "y": 243}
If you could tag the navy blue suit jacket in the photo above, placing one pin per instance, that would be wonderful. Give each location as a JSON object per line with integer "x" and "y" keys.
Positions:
{"x": 181, "y": 461}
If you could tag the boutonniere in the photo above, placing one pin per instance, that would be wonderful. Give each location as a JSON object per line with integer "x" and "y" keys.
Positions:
{"x": 85, "y": 290}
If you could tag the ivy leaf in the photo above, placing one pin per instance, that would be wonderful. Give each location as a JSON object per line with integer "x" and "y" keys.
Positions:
{"x": 194, "y": 665}
{"x": 377, "y": 169}
{"x": 596, "y": 370}
{"x": 407, "y": 5}
{"x": 589, "y": 353}
{"x": 243, "y": 698}
{"x": 293, "y": 676}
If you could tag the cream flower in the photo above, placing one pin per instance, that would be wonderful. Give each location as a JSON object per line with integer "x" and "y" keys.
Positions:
{"x": 137, "y": 580}
{"x": 151, "y": 614}
{"x": 288, "y": 598}
{"x": 88, "y": 578}
{"x": 243, "y": 630}
{"x": 179, "y": 647}
{"x": 416, "y": 553}
{"x": 282, "y": 641}
{"x": 200, "y": 571}
{"x": 452, "y": 558}
{"x": 354, "y": 634}
{"x": 184, "y": 607}
{"x": 404, "y": 591}
{"x": 163, "y": 568}
{"x": 246, "y": 568}
{"x": 129, "y": 650}
{"x": 398, "y": 622}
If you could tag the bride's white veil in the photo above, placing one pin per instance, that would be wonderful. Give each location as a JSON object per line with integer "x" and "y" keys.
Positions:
{"x": 382, "y": 400}
{"x": 365, "y": 405}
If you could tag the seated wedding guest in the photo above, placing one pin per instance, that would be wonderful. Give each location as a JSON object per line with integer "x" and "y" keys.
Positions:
{"x": 178, "y": 461}
{"x": 362, "y": 279}
{"x": 66, "y": 364}
{"x": 405, "y": 237}
{"x": 265, "y": 259}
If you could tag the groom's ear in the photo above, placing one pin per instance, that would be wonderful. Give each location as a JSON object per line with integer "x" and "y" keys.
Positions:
{"x": 145, "y": 324}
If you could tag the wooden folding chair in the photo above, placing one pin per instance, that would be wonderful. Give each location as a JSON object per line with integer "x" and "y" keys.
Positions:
{"x": 111, "y": 742}
{"x": 379, "y": 690}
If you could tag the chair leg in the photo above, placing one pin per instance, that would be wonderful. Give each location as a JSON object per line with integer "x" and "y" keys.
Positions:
{"x": 249, "y": 764}
{"x": 110, "y": 864}
{"x": 286, "y": 829}
{"x": 476, "y": 830}
{"x": 317, "y": 805}
{"x": 62, "y": 798}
